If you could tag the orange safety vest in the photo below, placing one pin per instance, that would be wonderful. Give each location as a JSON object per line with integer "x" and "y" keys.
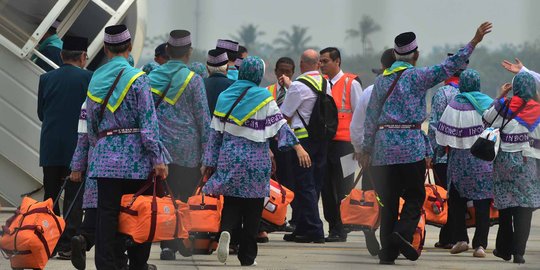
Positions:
{"x": 273, "y": 89}
{"x": 341, "y": 92}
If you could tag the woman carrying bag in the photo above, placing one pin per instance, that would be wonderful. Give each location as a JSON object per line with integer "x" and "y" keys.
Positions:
{"x": 516, "y": 183}
{"x": 237, "y": 155}
{"x": 469, "y": 178}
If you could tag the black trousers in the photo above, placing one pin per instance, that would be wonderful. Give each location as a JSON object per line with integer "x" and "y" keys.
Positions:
{"x": 284, "y": 173}
{"x": 514, "y": 229}
{"x": 183, "y": 182}
{"x": 88, "y": 227}
{"x": 53, "y": 178}
{"x": 457, "y": 208}
{"x": 110, "y": 244}
{"x": 336, "y": 186}
{"x": 440, "y": 170}
{"x": 393, "y": 182}
{"x": 244, "y": 213}
{"x": 308, "y": 183}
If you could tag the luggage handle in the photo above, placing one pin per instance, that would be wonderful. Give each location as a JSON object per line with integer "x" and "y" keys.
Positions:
{"x": 357, "y": 180}
{"x": 283, "y": 191}
{"x": 431, "y": 185}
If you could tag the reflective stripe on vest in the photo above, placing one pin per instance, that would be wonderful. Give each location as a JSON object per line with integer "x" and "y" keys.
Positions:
{"x": 300, "y": 133}
{"x": 316, "y": 84}
{"x": 341, "y": 92}
{"x": 273, "y": 90}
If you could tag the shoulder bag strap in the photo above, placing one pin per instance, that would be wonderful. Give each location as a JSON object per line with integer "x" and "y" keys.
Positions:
{"x": 513, "y": 115}
{"x": 234, "y": 106}
{"x": 109, "y": 94}
{"x": 393, "y": 86}
{"x": 162, "y": 96}
{"x": 317, "y": 92}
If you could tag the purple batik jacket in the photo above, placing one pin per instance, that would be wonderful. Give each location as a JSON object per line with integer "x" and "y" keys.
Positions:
{"x": 406, "y": 105}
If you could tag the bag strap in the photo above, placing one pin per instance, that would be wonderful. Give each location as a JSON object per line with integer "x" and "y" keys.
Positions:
{"x": 393, "y": 86}
{"x": 234, "y": 106}
{"x": 62, "y": 188}
{"x": 433, "y": 188}
{"x": 109, "y": 94}
{"x": 513, "y": 115}
{"x": 498, "y": 113}
{"x": 283, "y": 191}
{"x": 169, "y": 190}
{"x": 81, "y": 187}
{"x": 317, "y": 92}
{"x": 357, "y": 180}
{"x": 162, "y": 96}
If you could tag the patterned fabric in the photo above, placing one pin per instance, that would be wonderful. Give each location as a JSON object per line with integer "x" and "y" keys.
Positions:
{"x": 184, "y": 126}
{"x": 472, "y": 177}
{"x": 406, "y": 105}
{"x": 514, "y": 182}
{"x": 524, "y": 86}
{"x": 199, "y": 68}
{"x": 252, "y": 69}
{"x": 242, "y": 166}
{"x": 149, "y": 67}
{"x": 469, "y": 81}
{"x": 129, "y": 156}
{"x": 439, "y": 101}
{"x": 173, "y": 74}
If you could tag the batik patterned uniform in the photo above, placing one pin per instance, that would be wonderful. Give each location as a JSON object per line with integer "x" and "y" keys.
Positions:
{"x": 406, "y": 105}
{"x": 128, "y": 156}
{"x": 79, "y": 162}
{"x": 184, "y": 117}
{"x": 440, "y": 100}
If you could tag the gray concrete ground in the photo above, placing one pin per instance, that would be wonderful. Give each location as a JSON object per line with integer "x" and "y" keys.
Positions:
{"x": 278, "y": 254}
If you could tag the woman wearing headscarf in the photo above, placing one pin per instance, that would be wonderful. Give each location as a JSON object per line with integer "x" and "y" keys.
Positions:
{"x": 238, "y": 155}
{"x": 516, "y": 183}
{"x": 469, "y": 178}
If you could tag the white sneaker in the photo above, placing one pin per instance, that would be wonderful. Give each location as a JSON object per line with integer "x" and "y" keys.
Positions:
{"x": 459, "y": 247}
{"x": 223, "y": 246}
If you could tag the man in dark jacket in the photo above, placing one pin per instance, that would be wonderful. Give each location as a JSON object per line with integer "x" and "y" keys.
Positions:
{"x": 217, "y": 82}
{"x": 50, "y": 46}
{"x": 60, "y": 96}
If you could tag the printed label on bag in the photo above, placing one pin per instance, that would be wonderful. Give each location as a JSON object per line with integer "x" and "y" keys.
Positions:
{"x": 270, "y": 207}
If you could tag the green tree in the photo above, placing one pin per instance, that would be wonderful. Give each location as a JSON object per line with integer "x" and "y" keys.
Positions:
{"x": 366, "y": 27}
{"x": 293, "y": 43}
{"x": 247, "y": 36}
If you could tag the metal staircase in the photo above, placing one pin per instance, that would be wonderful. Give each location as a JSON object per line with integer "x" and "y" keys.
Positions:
{"x": 22, "y": 24}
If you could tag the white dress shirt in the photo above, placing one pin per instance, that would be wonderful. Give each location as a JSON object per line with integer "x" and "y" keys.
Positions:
{"x": 358, "y": 119}
{"x": 356, "y": 89}
{"x": 301, "y": 98}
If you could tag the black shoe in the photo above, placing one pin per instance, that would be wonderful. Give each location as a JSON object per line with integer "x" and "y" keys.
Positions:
{"x": 150, "y": 267}
{"x": 404, "y": 246}
{"x": 443, "y": 246}
{"x": 308, "y": 239}
{"x": 64, "y": 255}
{"x": 167, "y": 254}
{"x": 262, "y": 239}
{"x": 78, "y": 252}
{"x": 233, "y": 249}
{"x": 519, "y": 259}
{"x": 336, "y": 238}
{"x": 387, "y": 262}
{"x": 502, "y": 256}
{"x": 290, "y": 227}
{"x": 372, "y": 244}
{"x": 289, "y": 237}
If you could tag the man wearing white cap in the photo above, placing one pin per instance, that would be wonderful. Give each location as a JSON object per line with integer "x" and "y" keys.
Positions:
{"x": 124, "y": 133}
{"x": 231, "y": 48}
{"x": 184, "y": 121}
{"x": 217, "y": 64}
{"x": 394, "y": 143}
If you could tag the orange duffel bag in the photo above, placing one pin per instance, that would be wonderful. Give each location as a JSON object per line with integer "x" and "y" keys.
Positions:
{"x": 204, "y": 212}
{"x": 30, "y": 236}
{"x": 419, "y": 236}
{"x": 275, "y": 206}
{"x": 436, "y": 203}
{"x": 360, "y": 210}
{"x": 470, "y": 215}
{"x": 148, "y": 218}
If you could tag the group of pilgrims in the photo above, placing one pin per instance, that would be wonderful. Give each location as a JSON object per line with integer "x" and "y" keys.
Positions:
{"x": 183, "y": 123}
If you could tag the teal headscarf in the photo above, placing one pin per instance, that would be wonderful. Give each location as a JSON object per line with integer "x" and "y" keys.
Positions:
{"x": 469, "y": 88}
{"x": 524, "y": 86}
{"x": 250, "y": 76}
{"x": 199, "y": 68}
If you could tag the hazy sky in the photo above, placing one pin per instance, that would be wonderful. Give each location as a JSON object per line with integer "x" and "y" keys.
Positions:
{"x": 435, "y": 22}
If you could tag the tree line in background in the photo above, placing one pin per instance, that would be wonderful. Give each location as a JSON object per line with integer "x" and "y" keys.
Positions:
{"x": 294, "y": 41}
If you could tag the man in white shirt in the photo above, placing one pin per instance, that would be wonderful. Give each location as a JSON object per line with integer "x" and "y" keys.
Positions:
{"x": 346, "y": 89}
{"x": 357, "y": 136}
{"x": 299, "y": 102}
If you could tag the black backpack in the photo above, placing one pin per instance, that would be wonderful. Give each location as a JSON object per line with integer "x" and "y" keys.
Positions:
{"x": 324, "y": 117}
